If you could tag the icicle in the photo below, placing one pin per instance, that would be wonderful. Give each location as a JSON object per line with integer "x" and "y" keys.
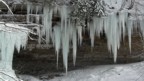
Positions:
{"x": 57, "y": 35}
{"x": 47, "y": 21}
{"x": 106, "y": 30}
{"x": 65, "y": 34}
{"x": 65, "y": 48}
{"x": 115, "y": 40}
{"x": 130, "y": 28}
{"x": 28, "y": 12}
{"x": 111, "y": 29}
{"x": 79, "y": 28}
{"x": 98, "y": 23}
{"x": 97, "y": 28}
{"x": 92, "y": 34}
{"x": 122, "y": 20}
{"x": 37, "y": 19}
{"x": 74, "y": 40}
{"x": 37, "y": 14}
{"x": 142, "y": 27}
{"x": 64, "y": 16}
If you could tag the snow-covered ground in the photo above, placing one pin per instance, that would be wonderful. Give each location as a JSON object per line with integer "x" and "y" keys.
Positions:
{"x": 126, "y": 72}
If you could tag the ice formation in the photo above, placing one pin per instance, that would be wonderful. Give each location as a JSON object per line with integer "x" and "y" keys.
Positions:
{"x": 57, "y": 35}
{"x": 12, "y": 37}
{"x": 47, "y": 17}
{"x": 115, "y": 25}
{"x": 74, "y": 42}
{"x": 28, "y": 12}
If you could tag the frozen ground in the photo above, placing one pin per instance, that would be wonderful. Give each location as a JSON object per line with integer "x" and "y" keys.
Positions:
{"x": 128, "y": 72}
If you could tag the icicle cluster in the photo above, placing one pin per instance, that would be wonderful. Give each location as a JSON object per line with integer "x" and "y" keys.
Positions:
{"x": 116, "y": 25}
{"x": 33, "y": 13}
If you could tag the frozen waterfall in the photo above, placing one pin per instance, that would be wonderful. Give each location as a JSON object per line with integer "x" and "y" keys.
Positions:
{"x": 12, "y": 37}
{"x": 115, "y": 25}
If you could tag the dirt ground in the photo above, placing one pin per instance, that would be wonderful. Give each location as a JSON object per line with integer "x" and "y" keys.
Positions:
{"x": 43, "y": 61}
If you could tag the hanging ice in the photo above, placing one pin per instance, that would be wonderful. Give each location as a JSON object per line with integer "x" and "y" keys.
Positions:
{"x": 115, "y": 25}
{"x": 12, "y": 36}
{"x": 113, "y": 34}
{"x": 65, "y": 47}
{"x": 57, "y": 35}
{"x": 74, "y": 41}
{"x": 47, "y": 21}
{"x": 123, "y": 17}
{"x": 92, "y": 34}
{"x": 130, "y": 30}
{"x": 28, "y": 12}
{"x": 79, "y": 30}
{"x": 65, "y": 35}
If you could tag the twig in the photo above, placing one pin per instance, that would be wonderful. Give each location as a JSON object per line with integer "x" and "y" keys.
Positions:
{"x": 9, "y": 76}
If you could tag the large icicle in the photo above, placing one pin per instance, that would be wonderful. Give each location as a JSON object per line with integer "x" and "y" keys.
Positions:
{"x": 65, "y": 35}
{"x": 65, "y": 47}
{"x": 130, "y": 30}
{"x": 114, "y": 27}
{"x": 113, "y": 34}
{"x": 57, "y": 35}
{"x": 47, "y": 21}
{"x": 74, "y": 41}
{"x": 92, "y": 34}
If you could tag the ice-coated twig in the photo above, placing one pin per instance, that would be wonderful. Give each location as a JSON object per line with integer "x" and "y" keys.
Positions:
{"x": 8, "y": 76}
{"x": 6, "y": 6}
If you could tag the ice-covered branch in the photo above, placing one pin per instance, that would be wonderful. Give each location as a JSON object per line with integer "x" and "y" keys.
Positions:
{"x": 6, "y": 6}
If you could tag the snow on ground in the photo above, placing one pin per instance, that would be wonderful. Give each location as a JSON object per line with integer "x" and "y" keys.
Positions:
{"x": 28, "y": 78}
{"x": 127, "y": 72}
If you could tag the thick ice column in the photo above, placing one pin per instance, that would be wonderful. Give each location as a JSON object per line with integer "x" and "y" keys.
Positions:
{"x": 10, "y": 39}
